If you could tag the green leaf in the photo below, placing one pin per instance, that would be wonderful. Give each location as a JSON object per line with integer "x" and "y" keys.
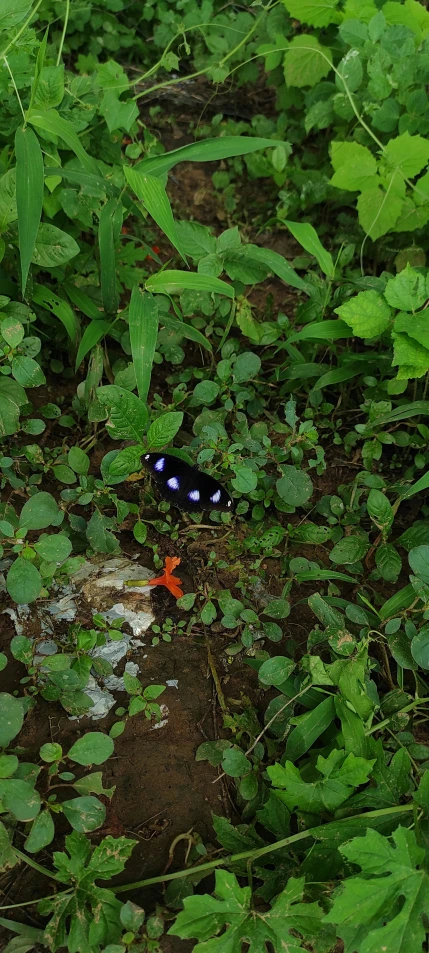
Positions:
{"x": 29, "y": 195}
{"x": 409, "y": 154}
{"x": 128, "y": 415}
{"x": 109, "y": 224}
{"x": 354, "y": 166}
{"x": 23, "y": 581}
{"x": 50, "y": 121}
{"x": 420, "y": 647}
{"x": 78, "y": 460}
{"x": 93, "y": 748}
{"x": 407, "y": 291}
{"x": 306, "y": 61}
{"x": 60, "y": 308}
{"x": 163, "y": 430}
{"x": 378, "y": 211}
{"x": 84, "y": 814}
{"x": 50, "y": 87}
{"x": 64, "y": 474}
{"x": 20, "y": 799}
{"x": 99, "y": 535}
{"x": 42, "y": 833}
{"x": 341, "y": 774}
{"x": 348, "y": 550}
{"x": 196, "y": 240}
{"x": 278, "y": 265}
{"x": 388, "y": 562}
{"x": 246, "y": 367}
{"x": 245, "y": 479}
{"x": 275, "y": 670}
{"x": 12, "y": 331}
{"x": 53, "y": 247}
{"x": 27, "y": 372}
{"x": 174, "y": 282}
{"x": 127, "y": 461}
{"x": 143, "y": 327}
{"x": 315, "y": 12}
{"x": 295, "y": 486}
{"x": 209, "y": 150}
{"x": 418, "y": 559}
{"x": 51, "y": 751}
{"x": 151, "y": 192}
{"x": 310, "y": 726}
{"x": 206, "y": 916}
{"x": 40, "y": 511}
{"x": 349, "y": 73}
{"x": 95, "y": 331}
{"x": 367, "y": 314}
{"x": 55, "y": 548}
{"x": 392, "y": 879}
{"x": 11, "y": 718}
{"x": 235, "y": 763}
{"x": 380, "y": 510}
{"x": 307, "y": 236}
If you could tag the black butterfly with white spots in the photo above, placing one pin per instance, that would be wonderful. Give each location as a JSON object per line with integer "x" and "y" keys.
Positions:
{"x": 184, "y": 486}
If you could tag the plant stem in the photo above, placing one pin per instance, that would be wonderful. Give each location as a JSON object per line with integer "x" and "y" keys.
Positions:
{"x": 21, "y": 31}
{"x": 260, "y": 852}
{"x": 63, "y": 35}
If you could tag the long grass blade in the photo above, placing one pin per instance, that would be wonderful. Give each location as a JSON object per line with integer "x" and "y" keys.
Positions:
{"x": 151, "y": 192}
{"x": 29, "y": 195}
{"x": 173, "y": 282}
{"x": 143, "y": 326}
{"x": 307, "y": 236}
{"x": 49, "y": 120}
{"x": 61, "y": 309}
{"x": 211, "y": 150}
{"x": 82, "y": 301}
{"x": 91, "y": 336}
{"x": 110, "y": 219}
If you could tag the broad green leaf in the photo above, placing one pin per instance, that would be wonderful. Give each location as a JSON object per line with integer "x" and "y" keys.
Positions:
{"x": 245, "y": 479}
{"x": 315, "y": 12}
{"x": 50, "y": 121}
{"x": 50, "y": 87}
{"x": 27, "y": 372}
{"x": 407, "y": 291}
{"x": 409, "y": 154}
{"x": 418, "y": 559}
{"x": 151, "y": 192}
{"x": 55, "y": 548}
{"x": 321, "y": 331}
{"x": 84, "y": 814}
{"x": 306, "y": 61}
{"x": 206, "y": 916}
{"x": 11, "y": 718}
{"x": 420, "y": 647}
{"x": 354, "y": 166}
{"x": 40, "y": 511}
{"x": 127, "y": 461}
{"x": 42, "y": 833}
{"x": 394, "y": 879}
{"x": 307, "y": 236}
{"x": 186, "y": 330}
{"x": 23, "y": 581}
{"x": 309, "y": 728}
{"x": 93, "y": 748}
{"x": 196, "y": 240}
{"x": 295, "y": 486}
{"x": 92, "y": 334}
{"x": 378, "y": 211}
{"x": 53, "y": 247}
{"x": 78, "y": 460}
{"x": 388, "y": 562}
{"x": 349, "y": 73}
{"x": 411, "y": 358}
{"x": 61, "y": 309}
{"x": 29, "y": 195}
{"x": 275, "y": 670}
{"x": 246, "y": 367}
{"x": 109, "y": 225}
{"x": 99, "y": 536}
{"x": 417, "y": 328}
{"x": 163, "y": 430}
{"x": 8, "y": 209}
{"x": 367, "y": 314}
{"x": 128, "y": 415}
{"x": 349, "y": 550}
{"x": 278, "y": 265}
{"x": 12, "y": 331}
{"x": 210, "y": 150}
{"x": 143, "y": 327}
{"x": 174, "y": 282}
{"x": 380, "y": 510}
{"x": 340, "y": 774}
{"x": 235, "y": 763}
{"x": 20, "y": 799}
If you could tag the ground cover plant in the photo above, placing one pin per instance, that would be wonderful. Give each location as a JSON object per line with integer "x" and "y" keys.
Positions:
{"x": 254, "y": 301}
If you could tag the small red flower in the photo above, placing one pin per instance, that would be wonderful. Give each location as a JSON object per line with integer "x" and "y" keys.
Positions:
{"x": 156, "y": 250}
{"x": 172, "y": 583}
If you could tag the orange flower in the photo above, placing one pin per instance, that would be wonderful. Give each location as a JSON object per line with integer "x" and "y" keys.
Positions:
{"x": 172, "y": 583}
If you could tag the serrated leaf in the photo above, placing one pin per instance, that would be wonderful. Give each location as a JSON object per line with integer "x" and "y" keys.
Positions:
{"x": 315, "y": 12}
{"x": 306, "y": 61}
{"x": 409, "y": 154}
{"x": 378, "y": 211}
{"x": 367, "y": 314}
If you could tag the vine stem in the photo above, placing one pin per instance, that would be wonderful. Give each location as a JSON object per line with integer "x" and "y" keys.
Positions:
{"x": 63, "y": 35}
{"x": 21, "y": 31}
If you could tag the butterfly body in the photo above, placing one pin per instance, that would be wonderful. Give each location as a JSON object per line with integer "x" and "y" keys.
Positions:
{"x": 184, "y": 486}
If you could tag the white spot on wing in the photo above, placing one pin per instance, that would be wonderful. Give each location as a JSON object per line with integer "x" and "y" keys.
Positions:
{"x": 147, "y": 456}
{"x": 173, "y": 483}
{"x": 194, "y": 495}
{"x": 159, "y": 465}
{"x": 216, "y": 497}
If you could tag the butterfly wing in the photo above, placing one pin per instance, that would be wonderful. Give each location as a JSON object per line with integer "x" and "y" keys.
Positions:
{"x": 185, "y": 486}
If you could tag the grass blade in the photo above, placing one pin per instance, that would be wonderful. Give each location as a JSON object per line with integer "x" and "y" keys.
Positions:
{"x": 49, "y": 120}
{"x": 29, "y": 195}
{"x": 173, "y": 282}
{"x": 91, "y": 336}
{"x": 143, "y": 325}
{"x": 60, "y": 308}
{"x": 82, "y": 301}
{"x": 337, "y": 376}
{"x": 192, "y": 334}
{"x": 211, "y": 150}
{"x": 151, "y": 192}
{"x": 307, "y": 236}
{"x": 278, "y": 265}
{"x": 110, "y": 218}
{"x": 322, "y": 331}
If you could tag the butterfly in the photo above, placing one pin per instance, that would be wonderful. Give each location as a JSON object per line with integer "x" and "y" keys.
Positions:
{"x": 184, "y": 486}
